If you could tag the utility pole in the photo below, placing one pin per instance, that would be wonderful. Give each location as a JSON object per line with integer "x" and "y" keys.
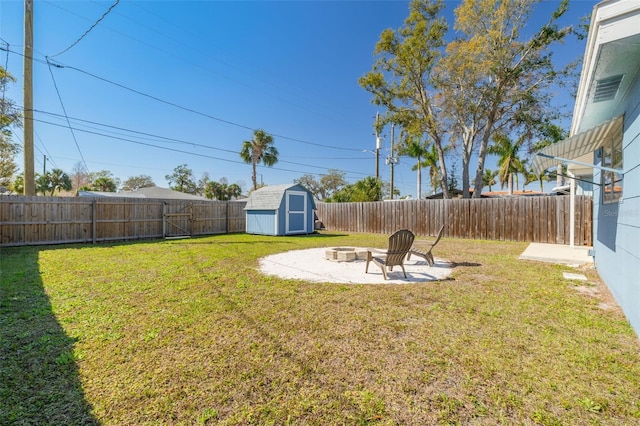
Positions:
{"x": 378, "y": 146}
{"x": 29, "y": 179}
{"x": 391, "y": 160}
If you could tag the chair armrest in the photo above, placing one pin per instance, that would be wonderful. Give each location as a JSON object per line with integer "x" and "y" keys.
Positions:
{"x": 422, "y": 244}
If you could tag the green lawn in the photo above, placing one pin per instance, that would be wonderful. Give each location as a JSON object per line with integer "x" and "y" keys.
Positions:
{"x": 189, "y": 332}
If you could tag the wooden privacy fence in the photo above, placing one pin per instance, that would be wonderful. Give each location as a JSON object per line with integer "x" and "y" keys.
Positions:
{"x": 57, "y": 220}
{"x": 543, "y": 219}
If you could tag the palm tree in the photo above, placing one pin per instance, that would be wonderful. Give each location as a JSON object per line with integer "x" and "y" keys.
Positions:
{"x": 104, "y": 184}
{"x": 50, "y": 182}
{"x": 531, "y": 176}
{"x": 432, "y": 161}
{"x": 489, "y": 178}
{"x": 59, "y": 180}
{"x": 508, "y": 158}
{"x": 416, "y": 149}
{"x": 552, "y": 133}
{"x": 259, "y": 149}
{"x": 234, "y": 191}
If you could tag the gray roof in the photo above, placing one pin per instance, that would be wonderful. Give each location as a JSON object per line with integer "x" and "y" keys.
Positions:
{"x": 270, "y": 197}
{"x": 149, "y": 192}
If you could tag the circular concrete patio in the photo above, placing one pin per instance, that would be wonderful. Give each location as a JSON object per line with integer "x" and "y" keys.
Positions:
{"x": 312, "y": 265}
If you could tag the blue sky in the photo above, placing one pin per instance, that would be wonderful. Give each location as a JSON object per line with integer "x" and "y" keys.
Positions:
{"x": 157, "y": 84}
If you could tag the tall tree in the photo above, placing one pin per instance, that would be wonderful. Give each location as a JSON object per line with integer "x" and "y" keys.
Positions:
{"x": 312, "y": 184}
{"x": 80, "y": 176}
{"x": 402, "y": 76}
{"x": 258, "y": 150}
{"x": 181, "y": 180}
{"x": 9, "y": 117}
{"x": 8, "y": 166}
{"x": 332, "y": 181}
{"x": 329, "y": 183}
{"x": 137, "y": 182}
{"x": 201, "y": 186}
{"x": 495, "y": 81}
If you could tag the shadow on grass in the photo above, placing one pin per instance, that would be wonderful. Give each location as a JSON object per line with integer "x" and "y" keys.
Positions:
{"x": 459, "y": 264}
{"x": 210, "y": 239}
{"x": 39, "y": 381}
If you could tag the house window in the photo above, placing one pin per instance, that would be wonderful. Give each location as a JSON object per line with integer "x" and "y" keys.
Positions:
{"x": 612, "y": 157}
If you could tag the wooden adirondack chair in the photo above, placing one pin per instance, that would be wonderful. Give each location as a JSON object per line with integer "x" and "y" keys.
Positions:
{"x": 399, "y": 244}
{"x": 423, "y": 248}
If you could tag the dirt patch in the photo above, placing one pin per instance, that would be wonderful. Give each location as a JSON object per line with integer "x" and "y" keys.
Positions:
{"x": 596, "y": 288}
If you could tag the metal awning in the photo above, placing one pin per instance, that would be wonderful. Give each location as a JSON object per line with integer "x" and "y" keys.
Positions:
{"x": 576, "y": 146}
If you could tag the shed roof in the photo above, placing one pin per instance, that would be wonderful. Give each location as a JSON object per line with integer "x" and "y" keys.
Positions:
{"x": 270, "y": 197}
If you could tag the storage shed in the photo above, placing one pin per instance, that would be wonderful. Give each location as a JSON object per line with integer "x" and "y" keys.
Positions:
{"x": 280, "y": 210}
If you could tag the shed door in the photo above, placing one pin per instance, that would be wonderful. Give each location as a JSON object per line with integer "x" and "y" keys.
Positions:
{"x": 296, "y": 205}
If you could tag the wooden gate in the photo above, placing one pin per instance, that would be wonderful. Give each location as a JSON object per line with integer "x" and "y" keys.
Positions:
{"x": 177, "y": 220}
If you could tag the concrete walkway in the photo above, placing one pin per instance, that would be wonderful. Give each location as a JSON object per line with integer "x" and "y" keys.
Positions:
{"x": 558, "y": 253}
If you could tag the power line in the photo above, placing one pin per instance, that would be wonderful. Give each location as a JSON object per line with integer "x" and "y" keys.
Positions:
{"x": 47, "y": 153}
{"x": 90, "y": 28}
{"x": 190, "y": 152}
{"x": 246, "y": 64}
{"x": 193, "y": 111}
{"x": 175, "y": 105}
{"x": 157, "y": 137}
{"x": 150, "y": 135}
{"x": 65, "y": 114}
{"x": 6, "y": 67}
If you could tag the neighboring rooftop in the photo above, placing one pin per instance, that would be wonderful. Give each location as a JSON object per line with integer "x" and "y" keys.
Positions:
{"x": 148, "y": 192}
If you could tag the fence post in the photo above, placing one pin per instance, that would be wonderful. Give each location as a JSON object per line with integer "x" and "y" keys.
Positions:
{"x": 191, "y": 219}
{"x": 164, "y": 219}
{"x": 94, "y": 226}
{"x": 226, "y": 222}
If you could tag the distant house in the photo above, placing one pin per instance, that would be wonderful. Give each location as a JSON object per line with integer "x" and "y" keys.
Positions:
{"x": 280, "y": 210}
{"x": 148, "y": 192}
{"x": 603, "y": 150}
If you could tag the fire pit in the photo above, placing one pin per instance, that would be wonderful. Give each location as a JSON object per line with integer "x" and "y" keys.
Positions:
{"x": 346, "y": 254}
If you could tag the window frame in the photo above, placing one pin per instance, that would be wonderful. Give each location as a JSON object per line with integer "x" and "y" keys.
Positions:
{"x": 612, "y": 155}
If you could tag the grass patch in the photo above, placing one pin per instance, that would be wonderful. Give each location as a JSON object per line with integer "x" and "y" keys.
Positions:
{"x": 189, "y": 332}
